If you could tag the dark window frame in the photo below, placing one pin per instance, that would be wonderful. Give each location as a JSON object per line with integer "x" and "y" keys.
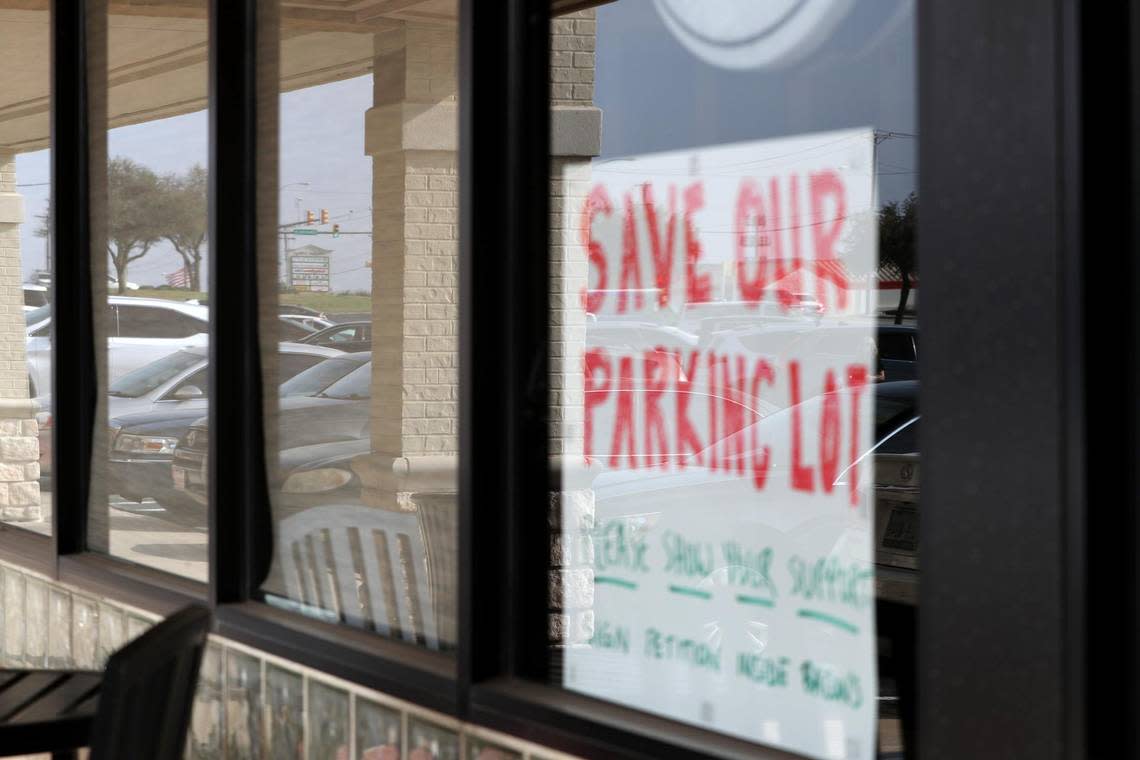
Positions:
{"x": 1027, "y": 62}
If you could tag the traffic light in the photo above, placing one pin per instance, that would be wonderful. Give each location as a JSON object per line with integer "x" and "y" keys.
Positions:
{"x": 336, "y": 230}
{"x": 310, "y": 217}
{"x": 324, "y": 216}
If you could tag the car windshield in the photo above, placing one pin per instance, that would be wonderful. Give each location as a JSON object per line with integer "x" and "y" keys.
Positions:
{"x": 35, "y": 316}
{"x": 318, "y": 377}
{"x": 353, "y": 386}
{"x": 146, "y": 378}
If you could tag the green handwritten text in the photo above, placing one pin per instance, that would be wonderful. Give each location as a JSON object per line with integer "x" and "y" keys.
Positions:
{"x": 662, "y": 646}
{"x": 824, "y": 682}
{"x": 828, "y": 579}
{"x": 691, "y": 559}
{"x": 766, "y": 671}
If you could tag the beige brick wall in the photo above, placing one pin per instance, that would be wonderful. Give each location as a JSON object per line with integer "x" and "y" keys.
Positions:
{"x": 572, "y": 44}
{"x": 415, "y": 216}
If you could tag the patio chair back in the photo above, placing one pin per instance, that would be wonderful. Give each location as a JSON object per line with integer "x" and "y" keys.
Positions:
{"x": 148, "y": 690}
{"x": 365, "y": 565}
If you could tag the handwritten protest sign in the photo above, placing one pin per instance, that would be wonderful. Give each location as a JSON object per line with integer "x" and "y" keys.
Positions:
{"x": 726, "y": 422}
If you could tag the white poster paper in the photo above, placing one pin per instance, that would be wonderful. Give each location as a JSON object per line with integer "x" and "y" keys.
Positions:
{"x": 721, "y": 489}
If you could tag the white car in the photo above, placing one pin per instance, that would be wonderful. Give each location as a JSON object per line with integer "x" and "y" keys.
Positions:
{"x": 139, "y": 331}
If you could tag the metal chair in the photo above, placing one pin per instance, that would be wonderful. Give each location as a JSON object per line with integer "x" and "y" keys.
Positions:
{"x": 365, "y": 565}
{"x": 148, "y": 690}
{"x": 139, "y": 706}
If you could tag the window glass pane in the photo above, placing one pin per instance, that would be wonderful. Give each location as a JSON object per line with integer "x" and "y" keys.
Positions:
{"x": 734, "y": 387}
{"x": 364, "y": 445}
{"x": 152, "y": 214}
{"x": 25, "y": 265}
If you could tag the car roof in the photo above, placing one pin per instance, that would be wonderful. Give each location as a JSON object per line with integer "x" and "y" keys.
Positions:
{"x": 198, "y": 311}
{"x": 288, "y": 347}
{"x": 898, "y": 389}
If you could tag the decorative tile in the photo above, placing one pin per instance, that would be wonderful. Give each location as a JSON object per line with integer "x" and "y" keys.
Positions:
{"x": 59, "y": 630}
{"x": 35, "y": 623}
{"x": 243, "y": 706}
{"x": 328, "y": 722}
{"x": 136, "y": 626}
{"x": 427, "y": 741}
{"x": 480, "y": 749}
{"x": 377, "y": 732}
{"x": 204, "y": 739}
{"x": 284, "y": 713}
{"x": 13, "y": 619}
{"x": 85, "y": 632}
{"x": 112, "y": 632}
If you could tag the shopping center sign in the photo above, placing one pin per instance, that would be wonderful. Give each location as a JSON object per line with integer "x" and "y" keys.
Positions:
{"x": 726, "y": 407}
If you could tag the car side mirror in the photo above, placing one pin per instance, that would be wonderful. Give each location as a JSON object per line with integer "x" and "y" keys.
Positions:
{"x": 188, "y": 392}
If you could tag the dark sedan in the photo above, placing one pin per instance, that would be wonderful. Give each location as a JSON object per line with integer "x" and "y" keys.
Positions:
{"x": 340, "y": 413}
{"x": 347, "y": 336}
{"x": 142, "y": 444}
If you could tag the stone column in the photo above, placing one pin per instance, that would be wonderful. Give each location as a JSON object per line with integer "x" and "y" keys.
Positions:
{"x": 19, "y": 441}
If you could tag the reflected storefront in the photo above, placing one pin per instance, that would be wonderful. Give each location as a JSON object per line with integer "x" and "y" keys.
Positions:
{"x": 541, "y": 378}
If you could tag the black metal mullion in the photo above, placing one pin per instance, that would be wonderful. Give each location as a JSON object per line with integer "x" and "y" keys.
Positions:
{"x": 74, "y": 384}
{"x": 504, "y": 308}
{"x": 239, "y": 504}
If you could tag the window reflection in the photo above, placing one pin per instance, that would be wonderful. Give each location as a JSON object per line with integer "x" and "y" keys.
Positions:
{"x": 25, "y": 271}
{"x": 735, "y": 367}
{"x": 363, "y": 459}
{"x": 154, "y": 281}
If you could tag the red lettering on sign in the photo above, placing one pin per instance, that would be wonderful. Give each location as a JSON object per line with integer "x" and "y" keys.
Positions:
{"x": 597, "y": 202}
{"x": 794, "y": 229}
{"x": 596, "y": 360}
{"x": 760, "y": 454}
{"x": 656, "y": 363}
{"x": 802, "y": 475}
{"x": 749, "y": 206}
{"x": 686, "y": 434}
{"x": 623, "y": 422}
{"x": 698, "y": 288}
{"x": 662, "y": 254}
{"x": 857, "y": 382}
{"x": 825, "y": 184}
{"x": 714, "y": 439}
{"x": 734, "y": 413}
{"x": 773, "y": 228}
{"x": 829, "y": 434}
{"x": 630, "y": 261}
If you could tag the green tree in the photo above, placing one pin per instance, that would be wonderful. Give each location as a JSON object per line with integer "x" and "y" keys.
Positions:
{"x": 137, "y": 208}
{"x": 187, "y": 219}
{"x": 897, "y": 221}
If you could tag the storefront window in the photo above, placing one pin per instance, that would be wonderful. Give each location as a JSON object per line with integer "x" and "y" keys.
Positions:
{"x": 734, "y": 367}
{"x": 25, "y": 272}
{"x": 363, "y": 446}
{"x": 149, "y": 206}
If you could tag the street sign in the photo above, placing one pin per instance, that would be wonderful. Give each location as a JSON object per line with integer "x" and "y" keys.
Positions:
{"x": 303, "y": 231}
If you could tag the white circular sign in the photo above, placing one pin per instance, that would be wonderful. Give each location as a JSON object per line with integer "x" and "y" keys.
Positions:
{"x": 746, "y": 34}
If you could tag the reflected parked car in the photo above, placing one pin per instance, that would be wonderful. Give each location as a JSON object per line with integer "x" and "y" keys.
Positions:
{"x": 347, "y": 336}
{"x": 139, "y": 330}
{"x": 142, "y": 441}
{"x": 340, "y": 413}
{"x": 177, "y": 382}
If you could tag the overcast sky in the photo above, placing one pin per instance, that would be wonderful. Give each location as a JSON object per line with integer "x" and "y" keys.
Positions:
{"x": 654, "y": 93}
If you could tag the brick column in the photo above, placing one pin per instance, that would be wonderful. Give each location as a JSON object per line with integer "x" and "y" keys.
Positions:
{"x": 19, "y": 442}
{"x": 412, "y": 135}
{"x": 576, "y": 133}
